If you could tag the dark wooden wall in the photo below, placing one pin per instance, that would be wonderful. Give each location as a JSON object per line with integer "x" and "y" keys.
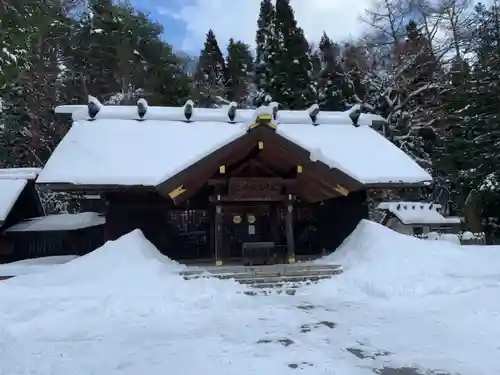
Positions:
{"x": 179, "y": 232}
{"x": 337, "y": 218}
{"x": 36, "y": 244}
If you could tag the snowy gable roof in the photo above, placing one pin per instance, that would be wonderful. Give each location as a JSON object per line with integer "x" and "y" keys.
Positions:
{"x": 12, "y": 184}
{"x": 117, "y": 149}
{"x": 418, "y": 213}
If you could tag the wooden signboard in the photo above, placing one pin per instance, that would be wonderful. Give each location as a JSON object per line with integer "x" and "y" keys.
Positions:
{"x": 255, "y": 188}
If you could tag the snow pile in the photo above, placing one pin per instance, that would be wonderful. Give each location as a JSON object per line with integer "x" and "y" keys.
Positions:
{"x": 31, "y": 266}
{"x": 379, "y": 262}
{"x": 129, "y": 265}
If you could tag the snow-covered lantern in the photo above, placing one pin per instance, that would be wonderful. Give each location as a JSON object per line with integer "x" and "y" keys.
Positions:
{"x": 231, "y": 112}
{"x": 93, "y": 106}
{"x": 142, "y": 108}
{"x": 188, "y": 110}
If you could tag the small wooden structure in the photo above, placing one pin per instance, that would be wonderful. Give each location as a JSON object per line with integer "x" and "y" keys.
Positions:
{"x": 227, "y": 185}
{"x": 18, "y": 200}
{"x": 418, "y": 218}
{"x": 25, "y": 231}
{"x": 53, "y": 235}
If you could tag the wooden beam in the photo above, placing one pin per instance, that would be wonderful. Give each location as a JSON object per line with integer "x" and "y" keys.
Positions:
{"x": 229, "y": 199}
{"x": 329, "y": 188}
{"x": 273, "y": 180}
{"x": 290, "y": 241}
{"x": 218, "y": 237}
{"x": 254, "y": 163}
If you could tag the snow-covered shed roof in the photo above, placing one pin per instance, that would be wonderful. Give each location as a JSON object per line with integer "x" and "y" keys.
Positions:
{"x": 418, "y": 213}
{"x": 59, "y": 222}
{"x": 118, "y": 147}
{"x": 12, "y": 183}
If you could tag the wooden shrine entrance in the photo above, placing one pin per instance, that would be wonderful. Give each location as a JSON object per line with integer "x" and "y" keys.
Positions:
{"x": 253, "y": 233}
{"x": 257, "y": 188}
{"x": 252, "y": 221}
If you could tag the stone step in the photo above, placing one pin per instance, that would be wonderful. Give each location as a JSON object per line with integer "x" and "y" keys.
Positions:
{"x": 245, "y": 275}
{"x": 280, "y": 277}
{"x": 274, "y": 270}
{"x": 281, "y": 280}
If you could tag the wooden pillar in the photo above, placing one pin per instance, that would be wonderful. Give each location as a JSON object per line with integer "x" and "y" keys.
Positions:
{"x": 218, "y": 244}
{"x": 290, "y": 241}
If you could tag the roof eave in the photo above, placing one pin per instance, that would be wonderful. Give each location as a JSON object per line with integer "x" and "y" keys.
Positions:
{"x": 399, "y": 185}
{"x": 94, "y": 188}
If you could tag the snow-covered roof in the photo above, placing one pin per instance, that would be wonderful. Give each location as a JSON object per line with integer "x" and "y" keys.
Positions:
{"x": 12, "y": 183}
{"x": 59, "y": 222}
{"x": 10, "y": 190}
{"x": 117, "y": 149}
{"x": 80, "y": 112}
{"x": 418, "y": 213}
{"x": 19, "y": 173}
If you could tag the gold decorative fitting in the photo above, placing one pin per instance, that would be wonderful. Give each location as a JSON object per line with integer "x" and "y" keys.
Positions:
{"x": 218, "y": 262}
{"x": 176, "y": 192}
{"x": 222, "y": 169}
{"x": 299, "y": 168}
{"x": 237, "y": 219}
{"x": 263, "y": 120}
{"x": 342, "y": 190}
{"x": 251, "y": 219}
{"x": 261, "y": 145}
{"x": 291, "y": 260}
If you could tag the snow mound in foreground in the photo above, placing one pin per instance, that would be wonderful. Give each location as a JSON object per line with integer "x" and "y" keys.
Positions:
{"x": 131, "y": 265}
{"x": 379, "y": 262}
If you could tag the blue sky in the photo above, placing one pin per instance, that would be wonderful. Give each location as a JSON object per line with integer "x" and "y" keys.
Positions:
{"x": 175, "y": 29}
{"x": 187, "y": 21}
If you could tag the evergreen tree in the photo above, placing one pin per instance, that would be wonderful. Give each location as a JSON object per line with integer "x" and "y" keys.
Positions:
{"x": 211, "y": 73}
{"x": 265, "y": 40}
{"x": 120, "y": 57}
{"x": 239, "y": 71}
{"x": 29, "y": 131}
{"x": 333, "y": 85}
{"x": 355, "y": 64}
{"x": 111, "y": 51}
{"x": 291, "y": 67}
{"x": 474, "y": 133}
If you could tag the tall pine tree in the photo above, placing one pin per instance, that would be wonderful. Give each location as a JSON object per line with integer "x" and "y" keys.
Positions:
{"x": 265, "y": 40}
{"x": 211, "y": 73}
{"x": 474, "y": 133}
{"x": 333, "y": 85}
{"x": 239, "y": 72}
{"x": 291, "y": 67}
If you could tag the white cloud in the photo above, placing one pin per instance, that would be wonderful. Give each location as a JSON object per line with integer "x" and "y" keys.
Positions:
{"x": 238, "y": 19}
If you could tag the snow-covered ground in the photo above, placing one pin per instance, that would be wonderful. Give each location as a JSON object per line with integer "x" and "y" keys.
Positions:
{"x": 401, "y": 302}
